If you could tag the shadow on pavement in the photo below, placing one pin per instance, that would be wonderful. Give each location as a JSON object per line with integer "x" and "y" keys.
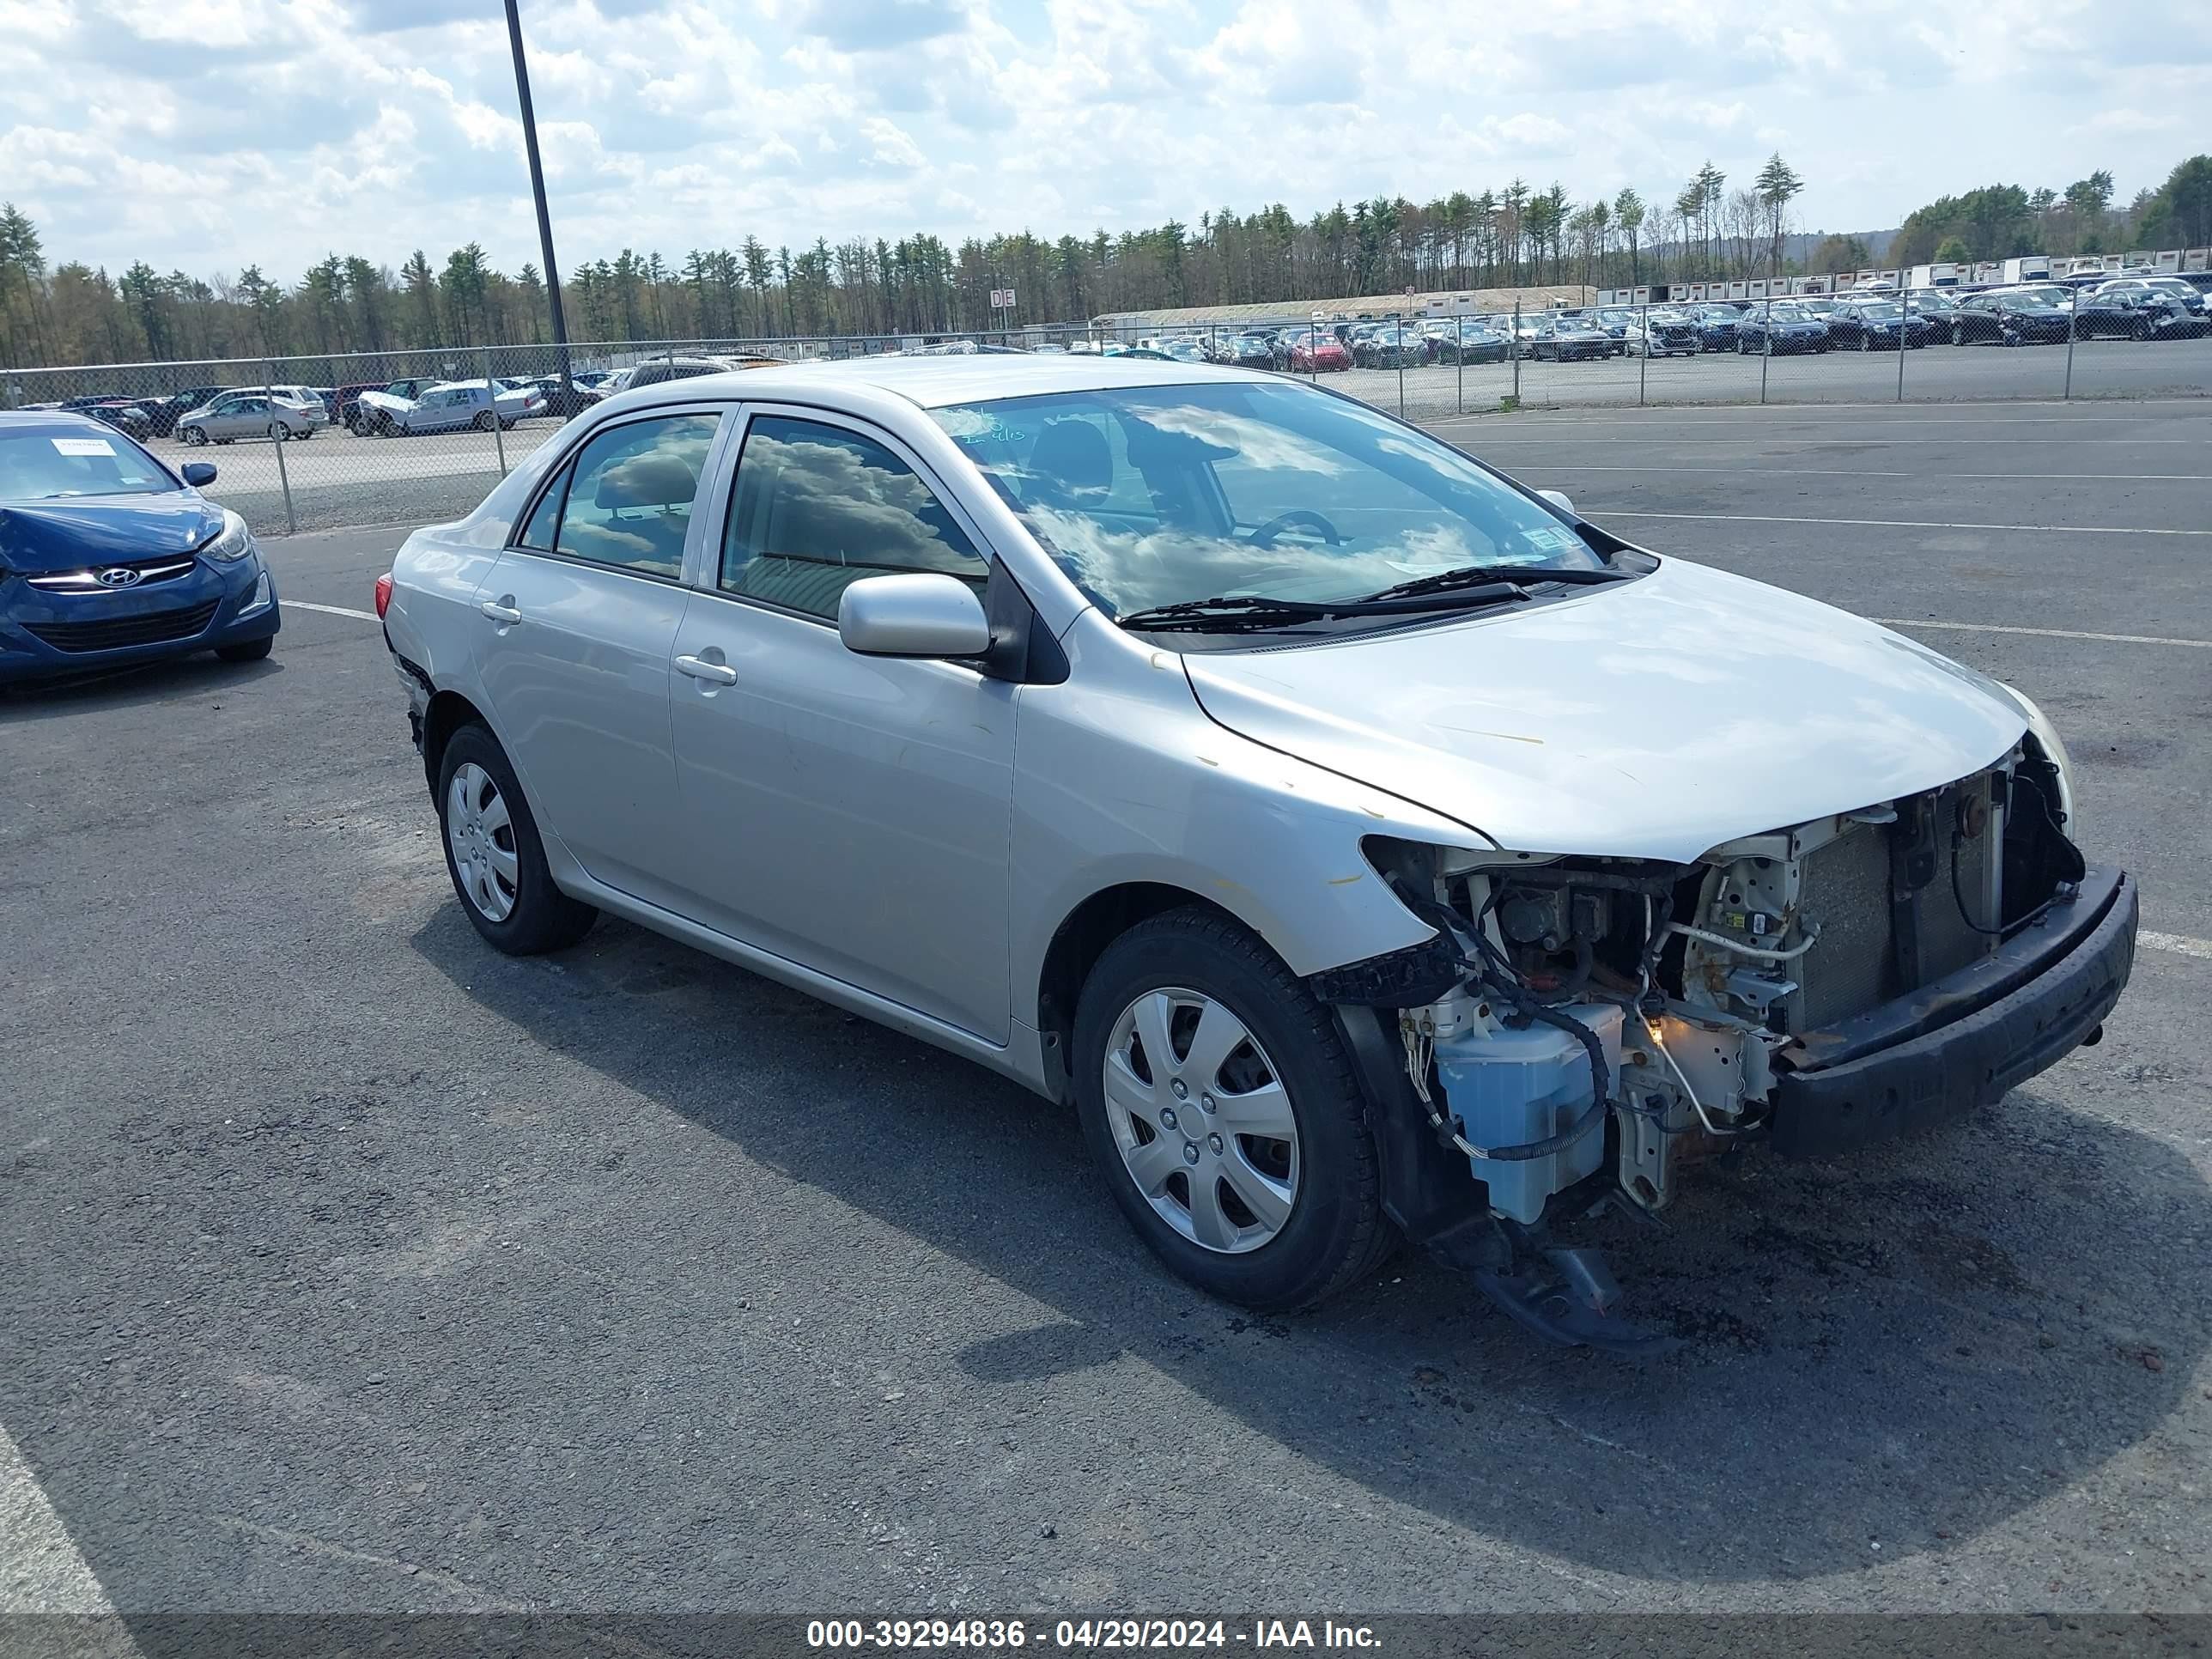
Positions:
{"x": 1897, "y": 1350}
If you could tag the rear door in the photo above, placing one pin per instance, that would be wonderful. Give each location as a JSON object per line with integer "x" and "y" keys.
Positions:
{"x": 579, "y": 621}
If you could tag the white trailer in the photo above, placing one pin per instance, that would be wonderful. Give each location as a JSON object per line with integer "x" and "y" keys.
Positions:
{"x": 2027, "y": 268}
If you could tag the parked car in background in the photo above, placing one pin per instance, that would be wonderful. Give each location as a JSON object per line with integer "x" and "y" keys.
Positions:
{"x": 163, "y": 412}
{"x": 1474, "y": 340}
{"x": 1662, "y": 331}
{"x": 2004, "y": 317}
{"x": 348, "y": 401}
{"x": 1391, "y": 346}
{"x": 1251, "y": 350}
{"x": 1262, "y": 648}
{"x": 1619, "y": 321}
{"x": 1717, "y": 326}
{"x": 108, "y": 558}
{"x": 445, "y": 407}
{"x": 236, "y": 415}
{"x": 1565, "y": 338}
{"x": 1771, "y": 327}
{"x": 1314, "y": 351}
{"x": 2135, "y": 309}
{"x": 1875, "y": 325}
{"x": 124, "y": 414}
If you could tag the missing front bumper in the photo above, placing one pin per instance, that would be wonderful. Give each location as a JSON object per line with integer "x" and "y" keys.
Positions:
{"x": 1965, "y": 1040}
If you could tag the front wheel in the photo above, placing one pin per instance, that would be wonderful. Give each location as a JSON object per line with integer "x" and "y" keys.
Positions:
{"x": 1221, "y": 1106}
{"x": 493, "y": 855}
{"x": 192, "y": 435}
{"x": 2139, "y": 329}
{"x": 1957, "y": 335}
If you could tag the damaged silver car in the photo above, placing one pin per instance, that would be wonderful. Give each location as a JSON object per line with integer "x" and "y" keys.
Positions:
{"x": 1369, "y": 849}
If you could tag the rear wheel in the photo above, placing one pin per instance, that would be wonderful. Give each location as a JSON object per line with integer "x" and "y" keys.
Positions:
{"x": 493, "y": 855}
{"x": 1219, "y": 1103}
{"x": 2139, "y": 329}
{"x": 483, "y": 419}
{"x": 278, "y": 432}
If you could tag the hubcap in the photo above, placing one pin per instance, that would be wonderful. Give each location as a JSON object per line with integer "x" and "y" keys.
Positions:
{"x": 482, "y": 837}
{"x": 1225, "y": 1176}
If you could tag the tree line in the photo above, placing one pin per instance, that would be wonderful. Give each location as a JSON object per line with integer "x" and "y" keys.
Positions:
{"x": 1508, "y": 236}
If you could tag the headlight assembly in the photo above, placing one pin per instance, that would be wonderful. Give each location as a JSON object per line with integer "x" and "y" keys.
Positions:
{"x": 233, "y": 543}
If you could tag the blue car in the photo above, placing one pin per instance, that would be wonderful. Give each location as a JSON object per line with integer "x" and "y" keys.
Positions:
{"x": 108, "y": 558}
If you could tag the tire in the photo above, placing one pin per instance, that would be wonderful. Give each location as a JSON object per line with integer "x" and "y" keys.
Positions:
{"x": 538, "y": 917}
{"x": 247, "y": 651}
{"x": 1866, "y": 343}
{"x": 1332, "y": 1230}
{"x": 1957, "y": 335}
{"x": 2139, "y": 329}
{"x": 483, "y": 420}
{"x": 278, "y": 432}
{"x": 194, "y": 435}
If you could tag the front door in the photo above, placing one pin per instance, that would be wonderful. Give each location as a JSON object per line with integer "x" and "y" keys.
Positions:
{"x": 580, "y": 618}
{"x": 848, "y": 813}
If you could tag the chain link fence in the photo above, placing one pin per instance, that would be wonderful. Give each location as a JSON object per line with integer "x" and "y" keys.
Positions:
{"x": 343, "y": 439}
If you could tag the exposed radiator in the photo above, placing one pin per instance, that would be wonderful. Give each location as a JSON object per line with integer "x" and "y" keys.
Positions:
{"x": 1845, "y": 888}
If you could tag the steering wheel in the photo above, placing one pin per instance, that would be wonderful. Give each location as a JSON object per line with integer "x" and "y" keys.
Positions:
{"x": 1297, "y": 517}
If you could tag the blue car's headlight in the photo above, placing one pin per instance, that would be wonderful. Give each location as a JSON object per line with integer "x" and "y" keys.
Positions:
{"x": 233, "y": 543}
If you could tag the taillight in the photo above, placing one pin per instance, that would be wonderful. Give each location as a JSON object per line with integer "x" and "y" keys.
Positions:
{"x": 383, "y": 594}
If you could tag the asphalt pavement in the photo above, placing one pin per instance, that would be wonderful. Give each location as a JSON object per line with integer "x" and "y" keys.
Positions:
{"x": 348, "y": 1265}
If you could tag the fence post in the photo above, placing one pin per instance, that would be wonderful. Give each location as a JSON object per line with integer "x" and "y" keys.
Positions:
{"x": 1458, "y": 365}
{"x": 1765, "y": 344}
{"x": 2073, "y": 305}
{"x": 498, "y": 427}
{"x": 1644, "y": 358}
{"x": 1903, "y": 328}
{"x": 283, "y": 477}
{"x": 1515, "y": 351}
{"x": 1399, "y": 325}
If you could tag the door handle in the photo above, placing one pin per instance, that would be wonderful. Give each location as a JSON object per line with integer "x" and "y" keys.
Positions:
{"x": 718, "y": 673}
{"x": 501, "y": 610}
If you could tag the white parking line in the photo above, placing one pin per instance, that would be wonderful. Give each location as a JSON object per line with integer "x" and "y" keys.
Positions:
{"x": 1872, "y": 472}
{"x": 2180, "y": 944}
{"x": 331, "y": 610}
{"x": 2039, "y": 632}
{"x": 41, "y": 1570}
{"x": 1889, "y": 523}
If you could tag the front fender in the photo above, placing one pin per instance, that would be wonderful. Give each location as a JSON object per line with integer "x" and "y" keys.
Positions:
{"x": 1120, "y": 778}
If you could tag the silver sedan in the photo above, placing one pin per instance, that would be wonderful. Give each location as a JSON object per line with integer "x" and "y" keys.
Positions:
{"x": 249, "y": 413}
{"x": 1365, "y": 846}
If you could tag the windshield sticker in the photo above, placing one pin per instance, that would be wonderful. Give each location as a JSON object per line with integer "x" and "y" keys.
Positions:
{"x": 84, "y": 446}
{"x": 1545, "y": 536}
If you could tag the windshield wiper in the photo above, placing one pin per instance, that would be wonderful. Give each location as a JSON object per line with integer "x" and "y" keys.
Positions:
{"x": 1229, "y": 613}
{"x": 1471, "y": 577}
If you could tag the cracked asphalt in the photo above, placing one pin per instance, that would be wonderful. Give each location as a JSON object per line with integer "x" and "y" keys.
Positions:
{"x": 346, "y": 1266}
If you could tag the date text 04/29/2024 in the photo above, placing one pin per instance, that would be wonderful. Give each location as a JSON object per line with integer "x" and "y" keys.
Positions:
{"x": 1101, "y": 1635}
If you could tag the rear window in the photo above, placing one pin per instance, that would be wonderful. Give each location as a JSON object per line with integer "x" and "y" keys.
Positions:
{"x": 43, "y": 467}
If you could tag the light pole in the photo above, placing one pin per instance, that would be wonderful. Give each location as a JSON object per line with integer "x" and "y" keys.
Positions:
{"x": 538, "y": 190}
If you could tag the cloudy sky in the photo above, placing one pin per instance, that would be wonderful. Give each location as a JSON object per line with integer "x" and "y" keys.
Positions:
{"x": 211, "y": 134}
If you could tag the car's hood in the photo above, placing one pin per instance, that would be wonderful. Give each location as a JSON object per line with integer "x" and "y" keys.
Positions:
{"x": 1657, "y": 718}
{"x": 89, "y": 530}
{"x": 390, "y": 400}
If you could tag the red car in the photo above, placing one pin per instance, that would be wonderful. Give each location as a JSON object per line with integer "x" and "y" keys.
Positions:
{"x": 1313, "y": 352}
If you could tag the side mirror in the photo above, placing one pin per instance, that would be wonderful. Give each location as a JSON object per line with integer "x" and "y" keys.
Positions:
{"x": 1559, "y": 498}
{"x": 921, "y": 614}
{"x": 199, "y": 474}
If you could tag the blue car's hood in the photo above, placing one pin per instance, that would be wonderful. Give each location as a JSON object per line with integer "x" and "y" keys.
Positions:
{"x": 88, "y": 530}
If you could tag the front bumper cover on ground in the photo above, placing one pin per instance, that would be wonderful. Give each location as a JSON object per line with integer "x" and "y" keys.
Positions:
{"x": 1965, "y": 1040}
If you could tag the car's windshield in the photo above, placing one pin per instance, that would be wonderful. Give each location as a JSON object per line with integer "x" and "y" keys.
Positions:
{"x": 1159, "y": 496}
{"x": 39, "y": 466}
{"x": 1879, "y": 311}
{"x": 1789, "y": 311}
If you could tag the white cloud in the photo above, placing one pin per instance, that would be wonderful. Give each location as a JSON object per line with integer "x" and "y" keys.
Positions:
{"x": 212, "y": 134}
